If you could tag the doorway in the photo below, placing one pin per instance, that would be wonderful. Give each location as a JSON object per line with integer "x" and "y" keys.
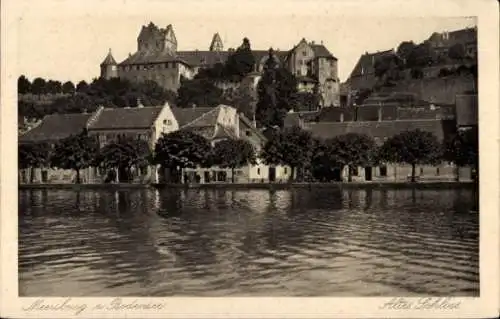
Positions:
{"x": 368, "y": 173}
{"x": 272, "y": 174}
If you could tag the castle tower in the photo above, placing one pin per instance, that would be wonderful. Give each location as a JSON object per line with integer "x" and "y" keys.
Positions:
{"x": 216, "y": 44}
{"x": 109, "y": 67}
{"x": 170, "y": 39}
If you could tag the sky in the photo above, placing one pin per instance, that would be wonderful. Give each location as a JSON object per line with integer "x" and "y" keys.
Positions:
{"x": 65, "y": 40}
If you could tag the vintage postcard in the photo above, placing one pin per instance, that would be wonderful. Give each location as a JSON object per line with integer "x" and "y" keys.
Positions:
{"x": 249, "y": 159}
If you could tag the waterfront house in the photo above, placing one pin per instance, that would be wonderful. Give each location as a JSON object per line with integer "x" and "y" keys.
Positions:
{"x": 51, "y": 129}
{"x": 224, "y": 122}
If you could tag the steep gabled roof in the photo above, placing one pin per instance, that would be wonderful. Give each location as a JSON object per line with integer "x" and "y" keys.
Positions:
{"x": 320, "y": 51}
{"x": 126, "y": 118}
{"x": 205, "y": 119}
{"x": 55, "y": 127}
{"x": 187, "y": 115}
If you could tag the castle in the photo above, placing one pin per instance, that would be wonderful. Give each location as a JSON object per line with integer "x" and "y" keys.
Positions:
{"x": 158, "y": 59}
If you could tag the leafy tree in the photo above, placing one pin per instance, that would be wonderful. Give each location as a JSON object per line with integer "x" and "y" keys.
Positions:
{"x": 325, "y": 161}
{"x": 292, "y": 147}
{"x": 277, "y": 92}
{"x": 68, "y": 87}
{"x": 38, "y": 86}
{"x": 23, "y": 85}
{"x": 463, "y": 149}
{"x": 412, "y": 147}
{"x": 75, "y": 152}
{"x": 53, "y": 87}
{"x": 182, "y": 149}
{"x": 123, "y": 155}
{"x": 405, "y": 48}
{"x": 241, "y": 62}
{"x": 233, "y": 154}
{"x": 199, "y": 92}
{"x": 82, "y": 87}
{"x": 456, "y": 52}
{"x": 353, "y": 150}
{"x": 384, "y": 64}
{"x": 420, "y": 56}
{"x": 33, "y": 155}
{"x": 308, "y": 101}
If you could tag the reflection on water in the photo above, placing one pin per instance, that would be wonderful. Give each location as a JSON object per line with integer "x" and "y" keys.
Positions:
{"x": 248, "y": 242}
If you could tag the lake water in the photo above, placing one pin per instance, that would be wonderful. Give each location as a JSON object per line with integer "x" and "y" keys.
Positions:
{"x": 324, "y": 242}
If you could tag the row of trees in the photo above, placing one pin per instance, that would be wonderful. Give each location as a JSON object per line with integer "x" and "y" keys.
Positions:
{"x": 177, "y": 150}
{"x": 311, "y": 158}
{"x": 87, "y": 97}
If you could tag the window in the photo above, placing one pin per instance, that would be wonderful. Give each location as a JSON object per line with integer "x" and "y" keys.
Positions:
{"x": 258, "y": 171}
{"x": 248, "y": 133}
{"x": 383, "y": 171}
{"x": 437, "y": 171}
{"x": 421, "y": 170}
{"x": 221, "y": 176}
{"x": 143, "y": 170}
{"x": 284, "y": 170}
{"x": 304, "y": 53}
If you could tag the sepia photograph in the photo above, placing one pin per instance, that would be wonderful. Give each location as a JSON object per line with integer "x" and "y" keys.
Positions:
{"x": 245, "y": 153}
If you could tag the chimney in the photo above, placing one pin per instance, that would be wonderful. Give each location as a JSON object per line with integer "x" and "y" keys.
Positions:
{"x": 139, "y": 103}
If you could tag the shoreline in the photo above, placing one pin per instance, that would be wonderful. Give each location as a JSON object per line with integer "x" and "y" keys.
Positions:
{"x": 270, "y": 186}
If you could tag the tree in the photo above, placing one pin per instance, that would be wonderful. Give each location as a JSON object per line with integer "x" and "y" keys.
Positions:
{"x": 233, "y": 154}
{"x": 38, "y": 86}
{"x": 456, "y": 52}
{"x": 405, "y": 48}
{"x": 82, "y": 87}
{"x": 182, "y": 149}
{"x": 33, "y": 155}
{"x": 420, "y": 56}
{"x": 325, "y": 161}
{"x": 241, "y": 62}
{"x": 353, "y": 150}
{"x": 124, "y": 154}
{"x": 23, "y": 85}
{"x": 412, "y": 147}
{"x": 53, "y": 87}
{"x": 68, "y": 87}
{"x": 199, "y": 92}
{"x": 75, "y": 152}
{"x": 462, "y": 149}
{"x": 277, "y": 94}
{"x": 292, "y": 147}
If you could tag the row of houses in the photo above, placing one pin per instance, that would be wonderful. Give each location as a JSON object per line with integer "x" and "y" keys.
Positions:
{"x": 149, "y": 123}
{"x": 225, "y": 122}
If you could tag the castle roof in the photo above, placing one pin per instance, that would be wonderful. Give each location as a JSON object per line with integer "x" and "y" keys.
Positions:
{"x": 126, "y": 118}
{"x": 146, "y": 57}
{"x": 56, "y": 127}
{"x": 109, "y": 60}
{"x": 377, "y": 130}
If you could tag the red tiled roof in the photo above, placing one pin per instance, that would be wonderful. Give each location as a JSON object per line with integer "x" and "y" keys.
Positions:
{"x": 55, "y": 127}
{"x": 126, "y": 118}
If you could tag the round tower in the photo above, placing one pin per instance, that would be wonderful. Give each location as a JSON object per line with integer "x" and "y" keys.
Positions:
{"x": 109, "y": 67}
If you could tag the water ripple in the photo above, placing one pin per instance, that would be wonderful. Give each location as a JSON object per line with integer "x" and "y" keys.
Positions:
{"x": 248, "y": 243}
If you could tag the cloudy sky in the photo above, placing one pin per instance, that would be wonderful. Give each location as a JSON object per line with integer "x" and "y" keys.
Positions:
{"x": 66, "y": 40}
